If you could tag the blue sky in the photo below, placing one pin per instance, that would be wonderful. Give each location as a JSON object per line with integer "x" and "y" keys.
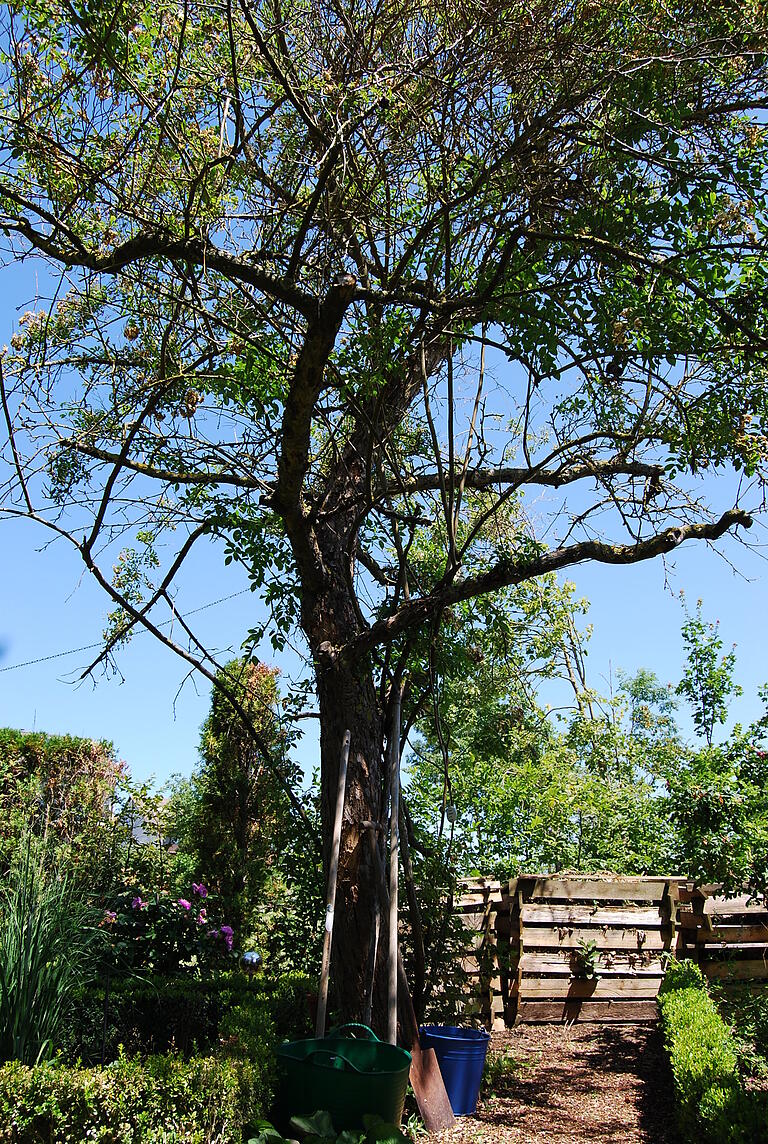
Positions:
{"x": 153, "y": 712}
{"x": 153, "y": 715}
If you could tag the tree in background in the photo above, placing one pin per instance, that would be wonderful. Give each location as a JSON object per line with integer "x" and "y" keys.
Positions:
{"x": 62, "y": 789}
{"x": 104, "y": 830}
{"x": 291, "y": 248}
{"x": 232, "y": 819}
{"x": 719, "y": 796}
{"x": 707, "y": 682}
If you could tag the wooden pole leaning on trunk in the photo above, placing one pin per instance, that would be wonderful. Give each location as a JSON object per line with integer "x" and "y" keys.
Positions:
{"x": 394, "y": 867}
{"x": 330, "y": 901}
{"x": 428, "y": 1086}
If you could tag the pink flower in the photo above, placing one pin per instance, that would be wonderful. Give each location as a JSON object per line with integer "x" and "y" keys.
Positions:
{"x": 199, "y": 888}
{"x": 185, "y": 905}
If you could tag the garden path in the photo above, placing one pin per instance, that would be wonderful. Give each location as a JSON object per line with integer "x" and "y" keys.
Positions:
{"x": 573, "y": 1084}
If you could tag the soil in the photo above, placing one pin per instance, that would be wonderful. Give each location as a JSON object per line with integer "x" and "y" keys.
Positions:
{"x": 573, "y": 1084}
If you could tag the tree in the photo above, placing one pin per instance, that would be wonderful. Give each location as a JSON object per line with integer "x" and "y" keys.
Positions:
{"x": 232, "y": 818}
{"x": 707, "y": 681}
{"x": 323, "y": 278}
{"x": 67, "y": 791}
{"x": 718, "y": 796}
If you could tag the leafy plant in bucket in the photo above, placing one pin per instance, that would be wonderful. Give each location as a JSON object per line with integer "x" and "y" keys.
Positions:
{"x": 318, "y": 1129}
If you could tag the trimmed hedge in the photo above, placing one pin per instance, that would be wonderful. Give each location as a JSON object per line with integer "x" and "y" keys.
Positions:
{"x": 162, "y": 1100}
{"x": 713, "y": 1106}
{"x": 159, "y": 1099}
{"x": 158, "y": 1015}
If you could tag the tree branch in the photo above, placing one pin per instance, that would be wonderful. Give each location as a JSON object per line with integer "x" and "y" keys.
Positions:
{"x": 487, "y": 478}
{"x": 509, "y": 571}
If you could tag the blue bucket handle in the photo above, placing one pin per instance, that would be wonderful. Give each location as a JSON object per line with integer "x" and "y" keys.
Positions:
{"x": 342, "y": 1031}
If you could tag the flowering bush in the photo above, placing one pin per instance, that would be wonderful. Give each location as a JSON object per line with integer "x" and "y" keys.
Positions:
{"x": 163, "y": 934}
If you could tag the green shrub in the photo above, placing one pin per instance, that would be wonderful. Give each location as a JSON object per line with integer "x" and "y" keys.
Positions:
{"x": 290, "y": 1003}
{"x": 713, "y": 1106}
{"x": 682, "y": 975}
{"x": 144, "y": 1017}
{"x": 162, "y": 1100}
{"x": 156, "y": 1014}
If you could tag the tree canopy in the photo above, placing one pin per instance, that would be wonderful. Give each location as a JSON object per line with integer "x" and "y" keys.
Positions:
{"x": 402, "y": 303}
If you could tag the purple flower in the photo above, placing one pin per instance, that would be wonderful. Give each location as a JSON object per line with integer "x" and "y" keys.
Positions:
{"x": 185, "y": 905}
{"x": 228, "y": 934}
{"x": 213, "y": 933}
{"x": 138, "y": 904}
{"x": 199, "y": 888}
{"x": 202, "y": 918}
{"x": 109, "y": 917}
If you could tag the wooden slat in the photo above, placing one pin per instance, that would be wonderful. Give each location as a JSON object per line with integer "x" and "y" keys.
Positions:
{"x": 604, "y": 988}
{"x": 726, "y": 935}
{"x": 474, "y": 922}
{"x": 752, "y": 970}
{"x": 717, "y": 951}
{"x": 622, "y": 965}
{"x": 688, "y": 921}
{"x": 599, "y": 889}
{"x": 639, "y": 917}
{"x": 548, "y": 937}
{"x": 602, "y": 1011}
{"x": 740, "y": 903}
{"x": 713, "y": 922}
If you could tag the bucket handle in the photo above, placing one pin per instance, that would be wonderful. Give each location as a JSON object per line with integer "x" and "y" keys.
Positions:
{"x": 332, "y": 1057}
{"x": 355, "y": 1025}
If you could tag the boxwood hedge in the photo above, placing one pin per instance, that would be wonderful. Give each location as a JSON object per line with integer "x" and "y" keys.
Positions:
{"x": 713, "y": 1105}
{"x": 160, "y": 1100}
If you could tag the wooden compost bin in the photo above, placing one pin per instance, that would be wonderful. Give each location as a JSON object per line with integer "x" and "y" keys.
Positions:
{"x": 632, "y": 924}
{"x": 728, "y": 937}
{"x": 523, "y": 942}
{"x": 523, "y": 937}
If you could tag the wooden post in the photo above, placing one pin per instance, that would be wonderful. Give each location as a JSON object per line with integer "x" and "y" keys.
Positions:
{"x": 333, "y": 870}
{"x": 394, "y": 867}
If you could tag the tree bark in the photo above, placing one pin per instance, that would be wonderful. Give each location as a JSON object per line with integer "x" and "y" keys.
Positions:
{"x": 348, "y": 700}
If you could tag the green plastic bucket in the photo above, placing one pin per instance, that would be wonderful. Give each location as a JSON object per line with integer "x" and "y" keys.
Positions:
{"x": 349, "y": 1074}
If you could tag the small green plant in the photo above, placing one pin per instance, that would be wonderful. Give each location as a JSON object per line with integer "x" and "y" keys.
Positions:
{"x": 747, "y": 1014}
{"x": 499, "y": 1069}
{"x": 318, "y": 1129}
{"x": 586, "y": 957}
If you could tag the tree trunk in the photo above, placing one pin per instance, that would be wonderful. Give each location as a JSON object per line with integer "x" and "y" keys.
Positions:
{"x": 348, "y": 699}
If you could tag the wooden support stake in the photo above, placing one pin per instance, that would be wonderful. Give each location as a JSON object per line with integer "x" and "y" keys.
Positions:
{"x": 333, "y": 870}
{"x": 394, "y": 867}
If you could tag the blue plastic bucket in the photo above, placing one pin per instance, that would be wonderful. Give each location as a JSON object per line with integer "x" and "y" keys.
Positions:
{"x": 461, "y": 1056}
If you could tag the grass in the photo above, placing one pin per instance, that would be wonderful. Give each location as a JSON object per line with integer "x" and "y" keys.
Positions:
{"x": 48, "y": 944}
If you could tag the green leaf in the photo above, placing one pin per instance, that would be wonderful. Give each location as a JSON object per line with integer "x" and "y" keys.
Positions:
{"x": 319, "y": 1124}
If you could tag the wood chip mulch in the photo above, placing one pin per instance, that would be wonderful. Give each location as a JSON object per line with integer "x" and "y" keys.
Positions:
{"x": 574, "y": 1084}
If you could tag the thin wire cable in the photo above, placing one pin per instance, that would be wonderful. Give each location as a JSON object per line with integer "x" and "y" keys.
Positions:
{"x": 90, "y": 647}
